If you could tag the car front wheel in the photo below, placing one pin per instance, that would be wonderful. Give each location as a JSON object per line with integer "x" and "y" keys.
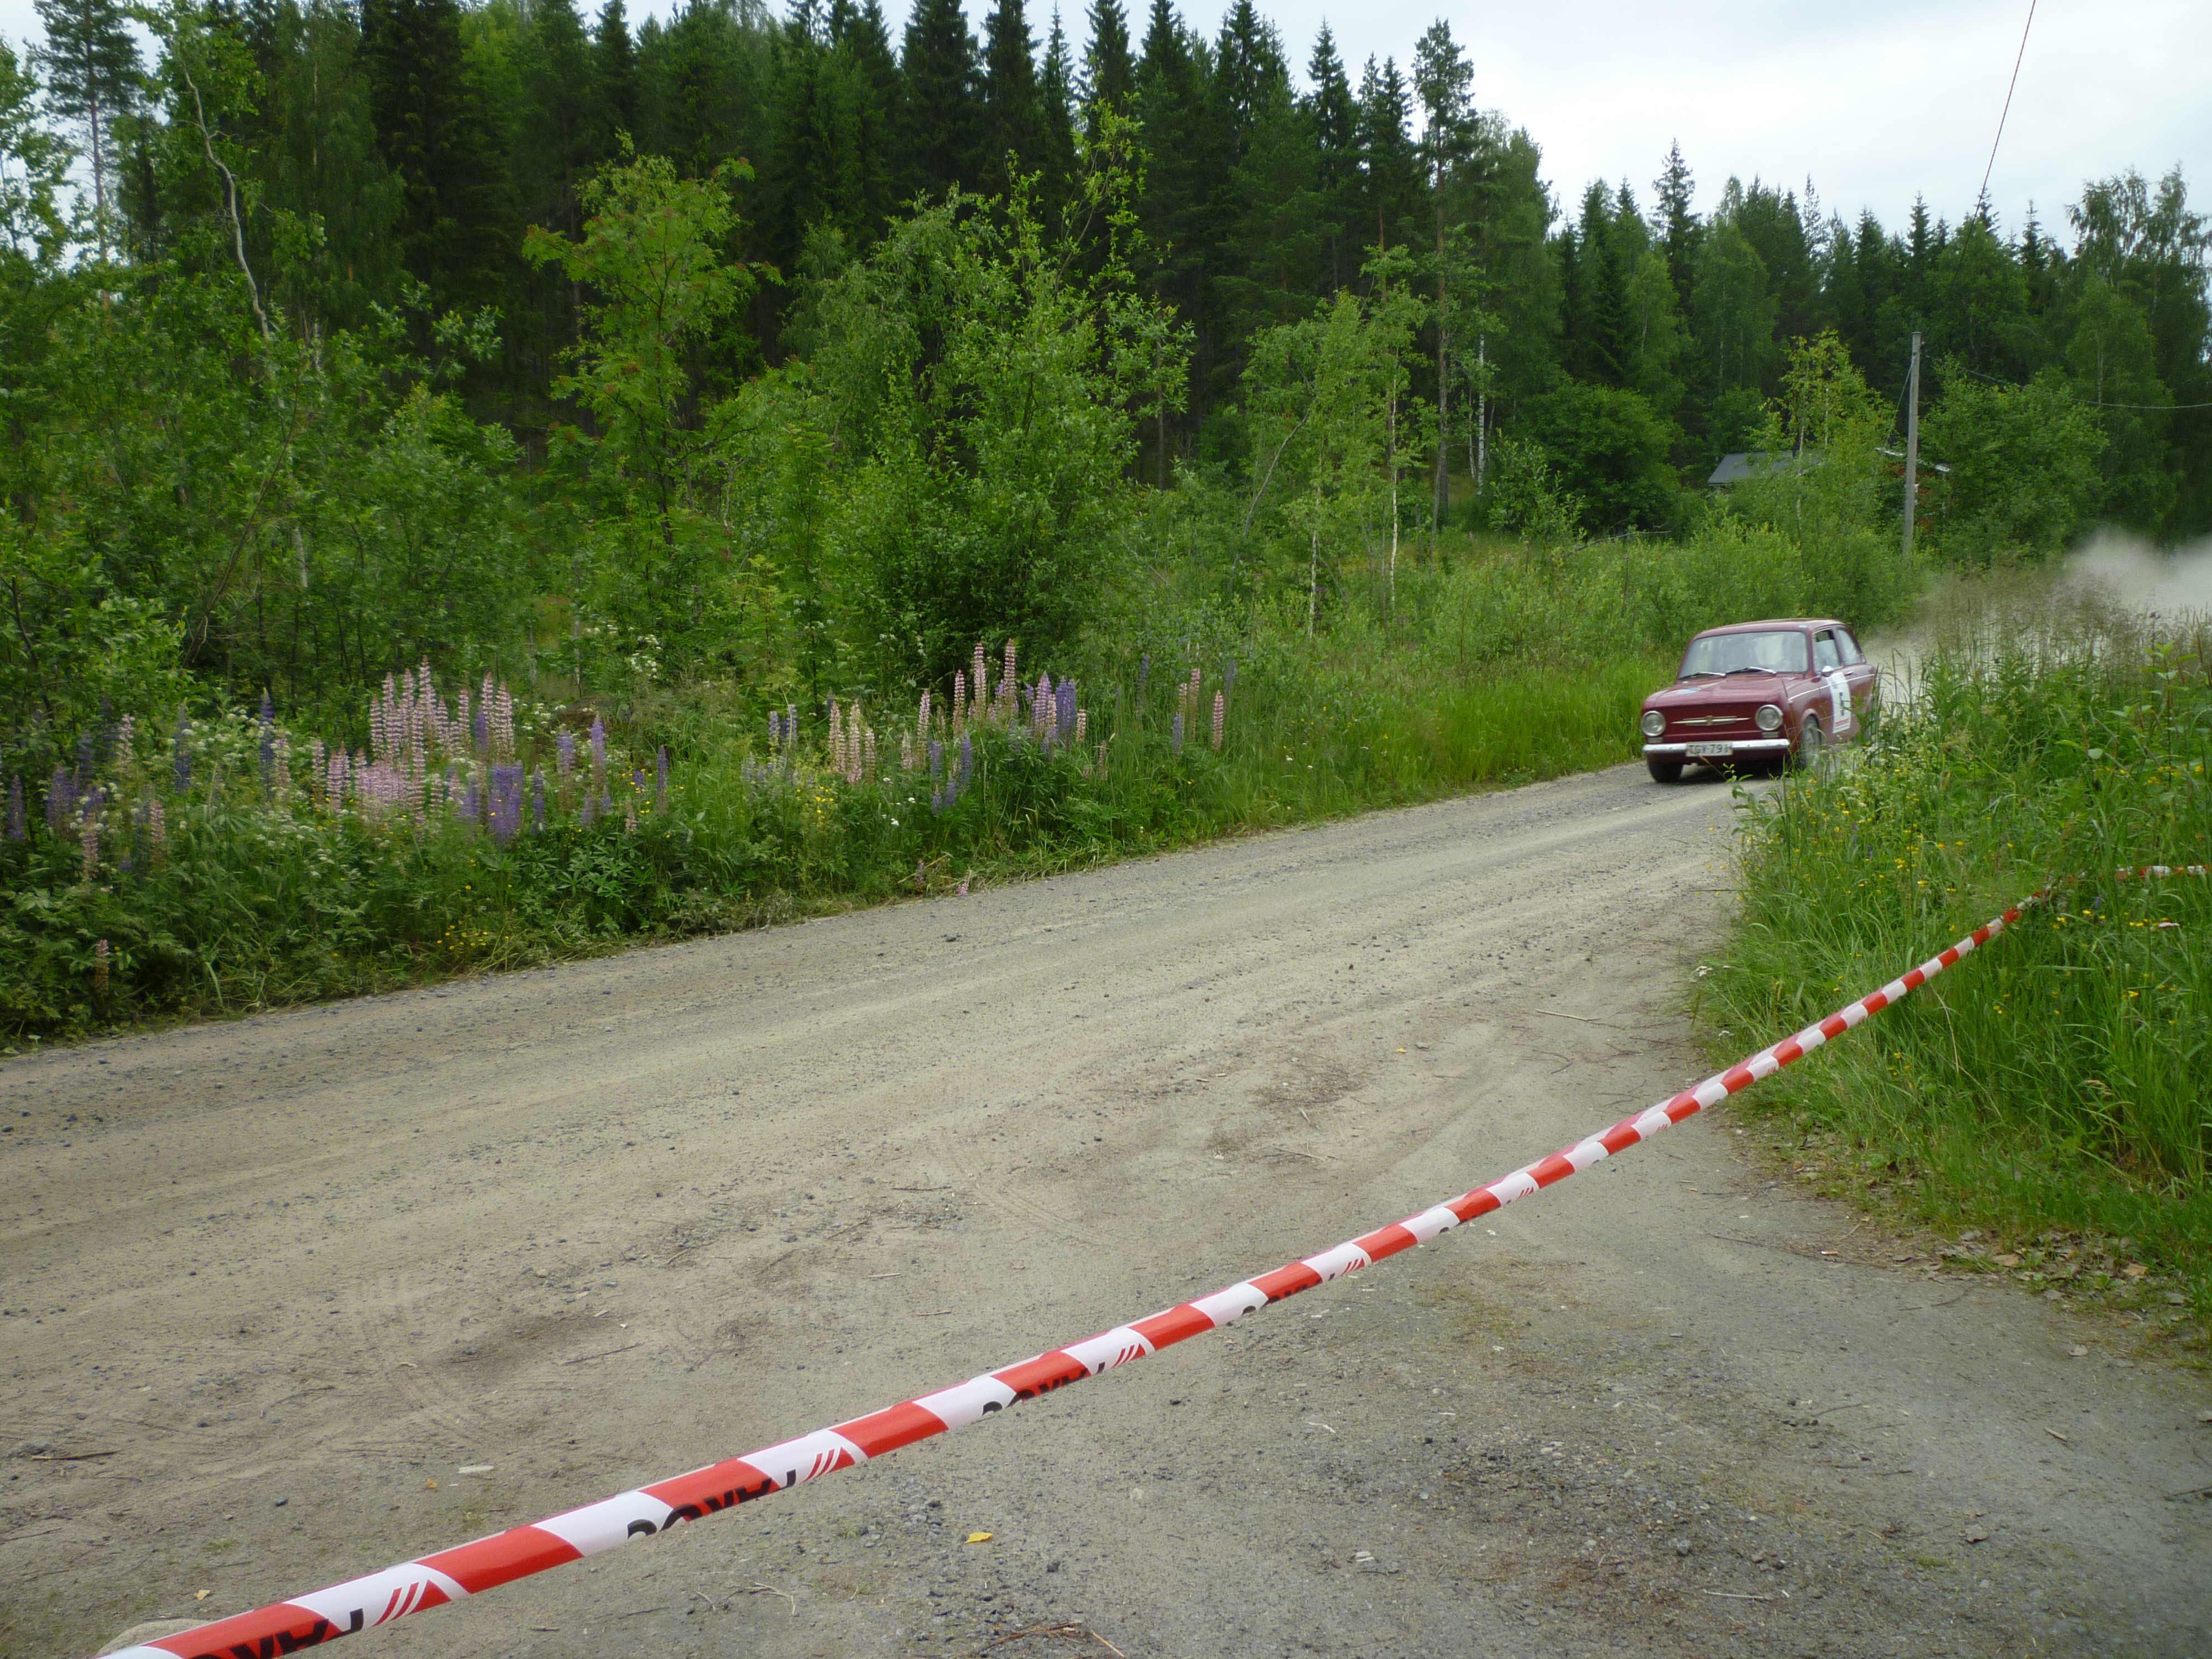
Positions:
{"x": 1811, "y": 740}
{"x": 1663, "y": 771}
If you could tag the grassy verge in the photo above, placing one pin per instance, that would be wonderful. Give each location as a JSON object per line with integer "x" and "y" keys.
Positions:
{"x": 2053, "y": 1094}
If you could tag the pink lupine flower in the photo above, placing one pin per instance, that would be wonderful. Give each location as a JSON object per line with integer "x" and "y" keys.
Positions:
{"x": 1220, "y": 712}
{"x": 922, "y": 724}
{"x": 960, "y": 696}
{"x": 99, "y": 960}
{"x": 1081, "y": 723}
{"x": 836, "y": 738}
{"x": 961, "y": 889}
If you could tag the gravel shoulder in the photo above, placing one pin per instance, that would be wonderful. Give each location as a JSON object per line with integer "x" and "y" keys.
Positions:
{"x": 270, "y": 1286}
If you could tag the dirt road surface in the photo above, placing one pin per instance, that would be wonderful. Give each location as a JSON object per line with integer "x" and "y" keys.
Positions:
{"x": 273, "y": 1286}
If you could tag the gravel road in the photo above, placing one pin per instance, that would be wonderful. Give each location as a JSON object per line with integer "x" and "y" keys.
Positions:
{"x": 291, "y": 1298}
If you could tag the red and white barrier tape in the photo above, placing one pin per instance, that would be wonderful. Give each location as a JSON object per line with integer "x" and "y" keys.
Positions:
{"x": 416, "y": 1586}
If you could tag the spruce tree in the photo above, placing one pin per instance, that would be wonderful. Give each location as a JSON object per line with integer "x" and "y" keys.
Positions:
{"x": 90, "y": 62}
{"x": 455, "y": 228}
{"x": 1445, "y": 81}
{"x": 1014, "y": 132}
{"x": 1248, "y": 62}
{"x": 1676, "y": 189}
{"x": 1056, "y": 98}
{"x": 1109, "y": 74}
{"x": 1390, "y": 174}
{"x": 944, "y": 113}
{"x": 614, "y": 79}
{"x": 864, "y": 47}
{"x": 1336, "y": 139}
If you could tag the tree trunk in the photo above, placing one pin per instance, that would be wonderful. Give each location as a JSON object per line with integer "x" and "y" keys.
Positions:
{"x": 1443, "y": 382}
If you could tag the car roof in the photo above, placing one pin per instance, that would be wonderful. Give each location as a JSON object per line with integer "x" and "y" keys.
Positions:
{"x": 1772, "y": 623}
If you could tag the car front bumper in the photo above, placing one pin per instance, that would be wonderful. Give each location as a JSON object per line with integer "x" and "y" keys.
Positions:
{"x": 1737, "y": 746}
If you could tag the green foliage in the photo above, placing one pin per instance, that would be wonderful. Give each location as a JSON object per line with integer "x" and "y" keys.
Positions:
{"x": 2023, "y": 481}
{"x": 2058, "y": 1077}
{"x": 963, "y": 418}
{"x": 1610, "y": 450}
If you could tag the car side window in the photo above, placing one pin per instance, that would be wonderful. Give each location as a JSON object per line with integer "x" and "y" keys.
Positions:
{"x": 1852, "y": 655}
{"x": 1823, "y": 651}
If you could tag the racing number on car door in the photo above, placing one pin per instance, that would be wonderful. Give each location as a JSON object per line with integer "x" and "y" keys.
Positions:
{"x": 1828, "y": 663}
{"x": 1864, "y": 678}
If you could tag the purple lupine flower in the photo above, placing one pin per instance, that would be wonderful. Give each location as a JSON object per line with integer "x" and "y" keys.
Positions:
{"x": 660, "y": 780}
{"x": 606, "y": 802}
{"x": 184, "y": 752}
{"x": 939, "y": 797}
{"x": 537, "y": 802}
{"x": 16, "y": 831}
{"x": 590, "y": 813}
{"x": 85, "y": 762}
{"x": 1174, "y": 734}
{"x": 967, "y": 762}
{"x": 1066, "y": 707}
{"x": 268, "y": 742}
{"x": 103, "y": 735}
{"x": 61, "y": 799}
{"x": 506, "y": 803}
{"x": 565, "y": 755}
{"x": 774, "y": 728}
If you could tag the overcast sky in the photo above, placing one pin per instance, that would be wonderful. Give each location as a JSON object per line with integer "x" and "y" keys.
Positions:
{"x": 1875, "y": 101}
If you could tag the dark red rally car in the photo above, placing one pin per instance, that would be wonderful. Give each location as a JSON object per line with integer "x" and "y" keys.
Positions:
{"x": 1758, "y": 693}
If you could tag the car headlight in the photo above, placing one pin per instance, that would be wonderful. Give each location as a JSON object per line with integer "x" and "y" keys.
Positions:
{"x": 1769, "y": 717}
{"x": 1654, "y": 722}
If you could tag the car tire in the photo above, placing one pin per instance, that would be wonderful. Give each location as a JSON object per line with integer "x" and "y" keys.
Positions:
{"x": 1663, "y": 771}
{"x": 1812, "y": 741}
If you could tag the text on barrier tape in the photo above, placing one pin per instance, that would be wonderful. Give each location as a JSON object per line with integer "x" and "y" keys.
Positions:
{"x": 416, "y": 1586}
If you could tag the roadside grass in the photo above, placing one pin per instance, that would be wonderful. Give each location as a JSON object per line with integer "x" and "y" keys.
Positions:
{"x": 258, "y": 889}
{"x": 2052, "y": 1093}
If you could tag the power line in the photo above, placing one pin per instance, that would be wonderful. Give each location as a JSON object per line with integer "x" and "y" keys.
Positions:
{"x": 1984, "y": 196}
{"x": 2086, "y": 403}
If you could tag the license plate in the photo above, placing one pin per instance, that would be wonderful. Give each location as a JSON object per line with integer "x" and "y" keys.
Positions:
{"x": 1709, "y": 750}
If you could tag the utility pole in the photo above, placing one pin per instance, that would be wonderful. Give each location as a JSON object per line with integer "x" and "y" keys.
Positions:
{"x": 1912, "y": 444}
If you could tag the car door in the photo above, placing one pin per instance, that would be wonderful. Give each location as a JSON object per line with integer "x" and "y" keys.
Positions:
{"x": 1864, "y": 678}
{"x": 1828, "y": 664}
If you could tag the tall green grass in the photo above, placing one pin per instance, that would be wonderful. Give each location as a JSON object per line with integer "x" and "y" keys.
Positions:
{"x": 2059, "y": 1082}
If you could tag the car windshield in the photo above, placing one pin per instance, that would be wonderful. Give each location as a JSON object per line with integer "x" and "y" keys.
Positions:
{"x": 1777, "y": 651}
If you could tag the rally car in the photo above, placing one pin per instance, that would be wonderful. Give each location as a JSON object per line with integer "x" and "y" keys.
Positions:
{"x": 1760, "y": 693}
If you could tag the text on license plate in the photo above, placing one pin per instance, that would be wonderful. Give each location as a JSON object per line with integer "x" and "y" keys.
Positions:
{"x": 1709, "y": 751}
